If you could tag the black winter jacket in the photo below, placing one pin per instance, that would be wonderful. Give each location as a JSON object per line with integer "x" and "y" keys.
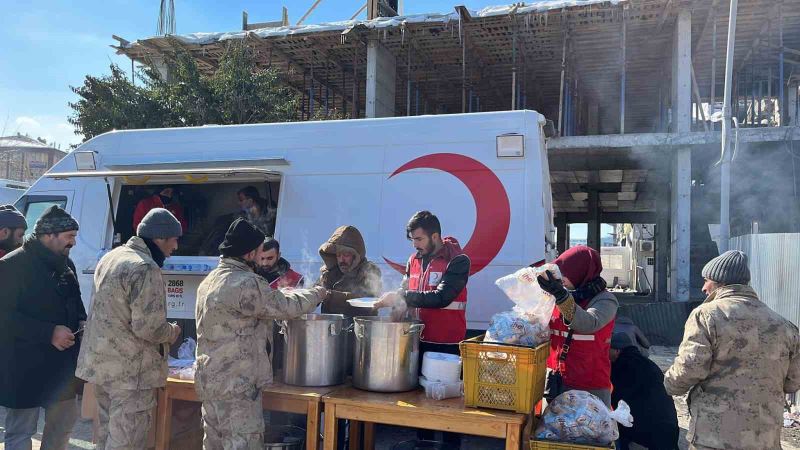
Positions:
{"x": 39, "y": 291}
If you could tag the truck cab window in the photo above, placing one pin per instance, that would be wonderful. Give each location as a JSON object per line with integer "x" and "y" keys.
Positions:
{"x": 33, "y": 206}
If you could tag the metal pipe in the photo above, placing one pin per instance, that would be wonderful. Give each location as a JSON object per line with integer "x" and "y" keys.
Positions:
{"x": 408, "y": 83}
{"x": 713, "y": 66}
{"x": 781, "y": 94}
{"x": 623, "y": 49}
{"x": 561, "y": 89}
{"x": 725, "y": 178}
{"x": 514, "y": 68}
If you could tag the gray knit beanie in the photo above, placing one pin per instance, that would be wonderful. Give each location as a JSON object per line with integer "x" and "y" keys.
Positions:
{"x": 54, "y": 220}
{"x": 728, "y": 268}
{"x": 159, "y": 224}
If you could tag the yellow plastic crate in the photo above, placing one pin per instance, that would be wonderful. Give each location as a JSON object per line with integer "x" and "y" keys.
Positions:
{"x": 550, "y": 445}
{"x": 503, "y": 376}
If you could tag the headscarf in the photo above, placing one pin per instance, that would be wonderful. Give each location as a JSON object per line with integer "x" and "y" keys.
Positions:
{"x": 581, "y": 264}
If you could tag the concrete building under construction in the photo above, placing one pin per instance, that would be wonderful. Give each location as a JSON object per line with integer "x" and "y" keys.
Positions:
{"x": 634, "y": 90}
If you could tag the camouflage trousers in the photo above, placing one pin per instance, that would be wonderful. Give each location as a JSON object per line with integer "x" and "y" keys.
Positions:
{"x": 125, "y": 418}
{"x": 236, "y": 424}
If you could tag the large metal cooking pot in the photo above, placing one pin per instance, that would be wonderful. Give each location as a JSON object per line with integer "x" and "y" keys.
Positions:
{"x": 316, "y": 349}
{"x": 386, "y": 355}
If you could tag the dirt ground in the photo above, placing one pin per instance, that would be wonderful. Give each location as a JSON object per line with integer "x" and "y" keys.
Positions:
{"x": 387, "y": 437}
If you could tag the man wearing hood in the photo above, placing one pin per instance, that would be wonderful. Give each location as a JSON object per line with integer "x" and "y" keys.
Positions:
{"x": 275, "y": 269}
{"x": 737, "y": 361}
{"x": 41, "y": 312}
{"x": 235, "y": 310}
{"x": 347, "y": 273}
{"x": 12, "y": 229}
{"x": 127, "y": 337}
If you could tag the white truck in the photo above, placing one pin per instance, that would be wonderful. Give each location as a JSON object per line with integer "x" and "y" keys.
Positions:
{"x": 484, "y": 175}
{"x": 11, "y": 190}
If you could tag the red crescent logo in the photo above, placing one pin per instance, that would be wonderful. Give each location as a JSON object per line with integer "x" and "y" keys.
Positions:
{"x": 493, "y": 212}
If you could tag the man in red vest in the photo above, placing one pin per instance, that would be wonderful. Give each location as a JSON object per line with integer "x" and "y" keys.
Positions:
{"x": 435, "y": 285}
{"x": 276, "y": 270}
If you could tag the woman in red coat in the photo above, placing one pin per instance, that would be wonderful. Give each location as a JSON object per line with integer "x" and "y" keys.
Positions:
{"x": 584, "y": 312}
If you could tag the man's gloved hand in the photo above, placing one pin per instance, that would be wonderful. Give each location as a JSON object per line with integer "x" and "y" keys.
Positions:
{"x": 553, "y": 286}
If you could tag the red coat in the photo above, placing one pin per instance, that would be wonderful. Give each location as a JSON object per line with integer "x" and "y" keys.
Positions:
{"x": 446, "y": 325}
{"x": 146, "y": 204}
{"x": 587, "y": 366}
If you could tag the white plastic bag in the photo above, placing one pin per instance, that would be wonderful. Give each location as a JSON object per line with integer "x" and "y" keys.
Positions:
{"x": 529, "y": 322}
{"x": 187, "y": 349}
{"x": 579, "y": 417}
{"x": 514, "y": 327}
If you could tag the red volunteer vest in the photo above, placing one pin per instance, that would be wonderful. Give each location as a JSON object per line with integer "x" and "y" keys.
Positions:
{"x": 442, "y": 326}
{"x": 290, "y": 279}
{"x": 587, "y": 366}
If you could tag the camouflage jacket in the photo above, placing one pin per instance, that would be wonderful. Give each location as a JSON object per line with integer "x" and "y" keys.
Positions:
{"x": 127, "y": 322}
{"x": 737, "y": 359}
{"x": 235, "y": 309}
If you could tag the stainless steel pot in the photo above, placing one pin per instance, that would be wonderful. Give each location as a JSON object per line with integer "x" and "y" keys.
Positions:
{"x": 316, "y": 349}
{"x": 386, "y": 355}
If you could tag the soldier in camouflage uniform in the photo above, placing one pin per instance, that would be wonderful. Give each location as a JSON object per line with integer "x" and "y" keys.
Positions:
{"x": 235, "y": 308}
{"x": 124, "y": 352}
{"x": 736, "y": 361}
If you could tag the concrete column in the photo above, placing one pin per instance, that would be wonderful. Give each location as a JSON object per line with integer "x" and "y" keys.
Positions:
{"x": 562, "y": 235}
{"x": 681, "y": 186}
{"x": 662, "y": 253}
{"x": 791, "y": 105}
{"x": 593, "y": 224}
{"x": 682, "y": 73}
{"x": 381, "y": 73}
{"x": 592, "y": 124}
{"x": 681, "y": 211}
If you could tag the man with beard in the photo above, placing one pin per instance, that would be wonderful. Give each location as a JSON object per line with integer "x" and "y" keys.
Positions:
{"x": 435, "y": 287}
{"x": 12, "y": 229}
{"x": 347, "y": 273}
{"x": 127, "y": 338}
{"x": 41, "y": 312}
{"x": 276, "y": 270}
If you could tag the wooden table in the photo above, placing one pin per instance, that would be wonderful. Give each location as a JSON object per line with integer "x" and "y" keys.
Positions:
{"x": 276, "y": 397}
{"x": 413, "y": 409}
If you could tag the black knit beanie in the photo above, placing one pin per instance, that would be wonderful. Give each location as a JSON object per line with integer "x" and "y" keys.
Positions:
{"x": 241, "y": 238}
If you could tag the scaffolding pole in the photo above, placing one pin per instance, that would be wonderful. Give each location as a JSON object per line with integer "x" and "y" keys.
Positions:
{"x": 725, "y": 169}
{"x": 563, "y": 86}
{"x": 713, "y": 63}
{"x": 623, "y": 51}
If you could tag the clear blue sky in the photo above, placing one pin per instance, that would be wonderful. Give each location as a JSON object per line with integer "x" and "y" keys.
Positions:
{"x": 50, "y": 45}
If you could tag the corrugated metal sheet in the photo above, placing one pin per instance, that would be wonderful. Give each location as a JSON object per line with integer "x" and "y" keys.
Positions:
{"x": 661, "y": 322}
{"x": 774, "y": 269}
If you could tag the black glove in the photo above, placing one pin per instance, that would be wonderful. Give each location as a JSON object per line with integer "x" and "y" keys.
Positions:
{"x": 553, "y": 286}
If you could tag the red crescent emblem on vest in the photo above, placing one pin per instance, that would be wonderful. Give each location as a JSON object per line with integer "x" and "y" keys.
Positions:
{"x": 492, "y": 209}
